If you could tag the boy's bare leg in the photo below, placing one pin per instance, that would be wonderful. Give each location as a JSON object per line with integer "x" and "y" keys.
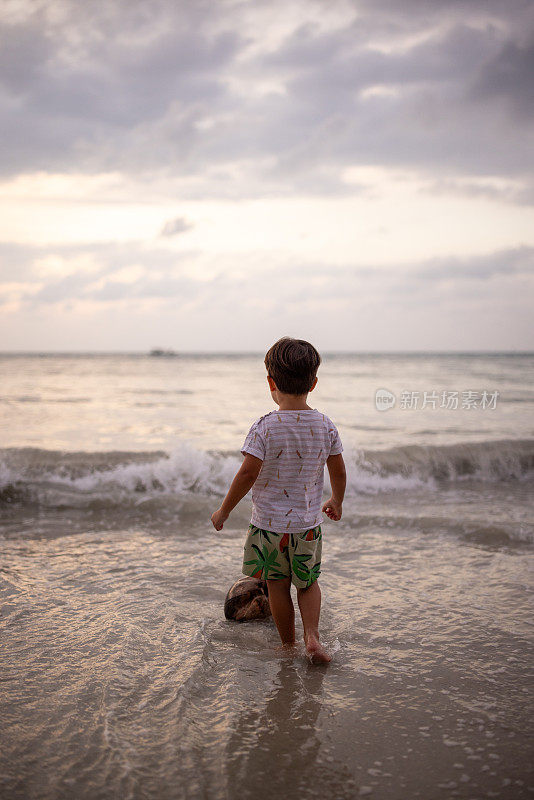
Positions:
{"x": 309, "y": 601}
{"x": 282, "y": 608}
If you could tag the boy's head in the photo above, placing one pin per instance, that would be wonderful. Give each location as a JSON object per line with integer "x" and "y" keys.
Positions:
{"x": 293, "y": 365}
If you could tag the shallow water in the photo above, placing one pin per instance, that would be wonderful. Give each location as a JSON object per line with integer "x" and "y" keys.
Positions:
{"x": 121, "y": 678}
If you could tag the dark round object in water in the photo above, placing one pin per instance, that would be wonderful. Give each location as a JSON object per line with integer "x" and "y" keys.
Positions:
{"x": 247, "y": 599}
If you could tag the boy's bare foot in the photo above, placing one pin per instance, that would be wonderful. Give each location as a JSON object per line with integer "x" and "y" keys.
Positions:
{"x": 316, "y": 652}
{"x": 287, "y": 648}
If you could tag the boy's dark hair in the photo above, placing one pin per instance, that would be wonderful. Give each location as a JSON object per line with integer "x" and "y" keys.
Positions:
{"x": 293, "y": 365}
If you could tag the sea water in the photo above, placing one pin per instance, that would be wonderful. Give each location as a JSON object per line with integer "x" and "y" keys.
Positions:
{"x": 120, "y": 676}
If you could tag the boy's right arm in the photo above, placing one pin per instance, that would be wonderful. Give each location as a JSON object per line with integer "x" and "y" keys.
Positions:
{"x": 338, "y": 481}
{"x": 244, "y": 479}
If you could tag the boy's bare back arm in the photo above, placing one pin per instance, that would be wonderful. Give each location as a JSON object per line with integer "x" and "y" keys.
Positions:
{"x": 338, "y": 482}
{"x": 244, "y": 479}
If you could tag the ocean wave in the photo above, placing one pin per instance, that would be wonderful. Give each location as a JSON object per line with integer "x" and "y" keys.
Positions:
{"x": 410, "y": 466}
{"x": 63, "y": 478}
{"x": 76, "y": 478}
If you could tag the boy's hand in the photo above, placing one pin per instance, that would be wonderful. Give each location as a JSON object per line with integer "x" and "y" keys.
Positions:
{"x": 218, "y": 519}
{"x": 333, "y": 510}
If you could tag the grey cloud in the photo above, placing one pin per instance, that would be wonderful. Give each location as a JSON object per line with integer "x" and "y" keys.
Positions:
{"x": 520, "y": 193}
{"x": 515, "y": 261}
{"x": 510, "y": 77}
{"x": 175, "y": 226}
{"x": 24, "y": 51}
{"x": 18, "y": 263}
{"x": 170, "y": 277}
{"x": 417, "y": 12}
{"x": 68, "y": 102}
{"x": 56, "y": 291}
{"x": 150, "y": 89}
{"x": 131, "y": 84}
{"x": 427, "y": 276}
{"x": 428, "y": 123}
{"x": 340, "y": 61}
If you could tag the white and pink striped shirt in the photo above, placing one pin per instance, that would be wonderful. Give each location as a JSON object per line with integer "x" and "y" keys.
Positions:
{"x": 293, "y": 446}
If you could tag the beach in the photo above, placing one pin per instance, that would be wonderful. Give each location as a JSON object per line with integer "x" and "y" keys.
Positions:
{"x": 122, "y": 678}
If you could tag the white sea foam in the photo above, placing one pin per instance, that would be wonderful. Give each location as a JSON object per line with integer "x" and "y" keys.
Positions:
{"x": 189, "y": 470}
{"x": 185, "y": 469}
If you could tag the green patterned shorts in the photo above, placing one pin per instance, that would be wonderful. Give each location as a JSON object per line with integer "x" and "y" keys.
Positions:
{"x": 270, "y": 555}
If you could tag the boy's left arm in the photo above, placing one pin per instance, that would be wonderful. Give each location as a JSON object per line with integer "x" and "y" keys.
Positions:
{"x": 244, "y": 479}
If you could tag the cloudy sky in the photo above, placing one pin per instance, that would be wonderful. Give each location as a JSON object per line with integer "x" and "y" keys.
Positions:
{"x": 214, "y": 174}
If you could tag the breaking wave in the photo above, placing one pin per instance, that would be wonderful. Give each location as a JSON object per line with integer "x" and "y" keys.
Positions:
{"x": 55, "y": 478}
{"x": 433, "y": 466}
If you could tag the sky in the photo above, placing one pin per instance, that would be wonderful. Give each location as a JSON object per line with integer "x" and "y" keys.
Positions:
{"x": 211, "y": 175}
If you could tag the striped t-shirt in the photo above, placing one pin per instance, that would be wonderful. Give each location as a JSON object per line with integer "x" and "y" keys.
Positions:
{"x": 293, "y": 446}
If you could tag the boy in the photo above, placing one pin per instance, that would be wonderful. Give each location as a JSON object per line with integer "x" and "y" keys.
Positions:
{"x": 284, "y": 456}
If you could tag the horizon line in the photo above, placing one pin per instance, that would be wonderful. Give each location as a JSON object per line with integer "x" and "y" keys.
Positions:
{"x": 170, "y": 353}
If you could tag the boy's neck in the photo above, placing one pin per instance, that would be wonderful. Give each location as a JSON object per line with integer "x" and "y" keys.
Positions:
{"x": 292, "y": 402}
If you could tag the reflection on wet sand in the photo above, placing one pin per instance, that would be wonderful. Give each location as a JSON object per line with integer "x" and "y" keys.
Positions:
{"x": 277, "y": 746}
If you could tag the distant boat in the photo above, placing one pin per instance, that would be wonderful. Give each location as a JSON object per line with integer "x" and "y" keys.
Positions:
{"x": 161, "y": 353}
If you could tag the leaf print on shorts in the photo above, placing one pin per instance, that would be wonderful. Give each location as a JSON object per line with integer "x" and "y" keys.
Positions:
{"x": 314, "y": 572}
{"x": 261, "y": 531}
{"x": 299, "y": 566}
{"x": 266, "y": 563}
{"x": 302, "y": 571}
